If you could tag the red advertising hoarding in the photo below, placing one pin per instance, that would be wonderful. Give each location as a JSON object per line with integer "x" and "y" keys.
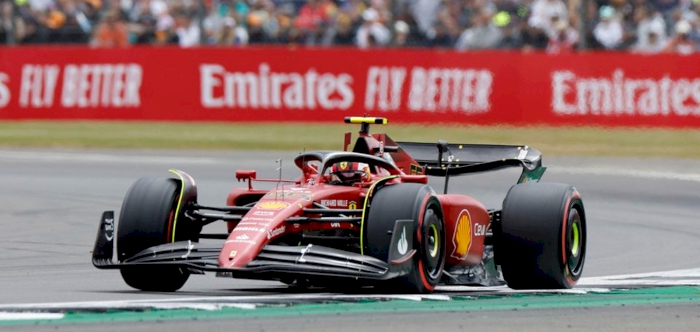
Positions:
{"x": 300, "y": 84}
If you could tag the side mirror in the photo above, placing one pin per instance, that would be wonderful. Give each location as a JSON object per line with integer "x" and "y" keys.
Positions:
{"x": 242, "y": 175}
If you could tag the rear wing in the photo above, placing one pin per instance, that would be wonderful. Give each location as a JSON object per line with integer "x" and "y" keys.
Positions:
{"x": 444, "y": 159}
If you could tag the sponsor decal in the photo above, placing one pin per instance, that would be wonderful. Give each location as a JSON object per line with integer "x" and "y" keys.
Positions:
{"x": 431, "y": 89}
{"x": 296, "y": 225}
{"x": 335, "y": 202}
{"x": 252, "y": 221}
{"x": 268, "y": 88}
{"x": 618, "y": 94}
{"x": 109, "y": 228}
{"x": 462, "y": 238}
{"x": 272, "y": 205}
{"x": 82, "y": 86}
{"x": 480, "y": 230}
{"x": 276, "y": 231}
{"x": 263, "y": 213}
{"x": 415, "y": 169}
{"x": 5, "y": 93}
{"x": 403, "y": 243}
{"x": 250, "y": 229}
{"x": 335, "y": 224}
{"x": 243, "y": 238}
{"x": 304, "y": 252}
{"x": 352, "y": 205}
{"x": 232, "y": 254}
{"x": 282, "y": 194}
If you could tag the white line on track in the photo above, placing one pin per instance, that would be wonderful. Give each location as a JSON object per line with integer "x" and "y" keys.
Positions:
{"x": 245, "y": 302}
{"x": 586, "y": 285}
{"x": 183, "y": 305}
{"x": 636, "y": 173}
{"x": 690, "y": 277}
{"x": 30, "y": 315}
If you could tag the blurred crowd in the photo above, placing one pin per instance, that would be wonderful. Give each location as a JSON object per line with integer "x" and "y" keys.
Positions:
{"x": 557, "y": 26}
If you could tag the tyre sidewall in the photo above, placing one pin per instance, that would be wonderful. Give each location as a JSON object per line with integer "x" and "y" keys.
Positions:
{"x": 147, "y": 219}
{"x": 532, "y": 239}
{"x": 390, "y": 204}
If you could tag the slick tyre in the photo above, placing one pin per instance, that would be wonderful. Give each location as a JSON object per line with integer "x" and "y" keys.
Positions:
{"x": 541, "y": 241}
{"x": 409, "y": 201}
{"x": 147, "y": 219}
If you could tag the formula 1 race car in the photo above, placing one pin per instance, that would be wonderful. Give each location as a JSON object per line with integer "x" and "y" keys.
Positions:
{"x": 365, "y": 217}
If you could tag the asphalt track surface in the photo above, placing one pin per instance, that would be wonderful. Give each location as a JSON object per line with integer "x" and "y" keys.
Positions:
{"x": 642, "y": 217}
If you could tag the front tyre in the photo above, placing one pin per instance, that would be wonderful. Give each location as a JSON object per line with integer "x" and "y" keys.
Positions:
{"x": 147, "y": 219}
{"x": 409, "y": 201}
{"x": 541, "y": 243}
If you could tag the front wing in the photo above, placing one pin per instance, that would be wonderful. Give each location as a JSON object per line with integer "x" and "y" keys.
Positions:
{"x": 273, "y": 262}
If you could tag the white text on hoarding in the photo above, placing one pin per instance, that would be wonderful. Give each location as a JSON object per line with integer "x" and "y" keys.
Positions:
{"x": 266, "y": 89}
{"x": 83, "y": 86}
{"x": 619, "y": 95}
{"x": 4, "y": 90}
{"x": 430, "y": 89}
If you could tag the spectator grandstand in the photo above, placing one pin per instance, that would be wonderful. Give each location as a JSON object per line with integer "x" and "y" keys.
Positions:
{"x": 556, "y": 26}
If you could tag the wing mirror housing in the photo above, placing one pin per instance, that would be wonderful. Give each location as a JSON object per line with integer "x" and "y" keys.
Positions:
{"x": 243, "y": 175}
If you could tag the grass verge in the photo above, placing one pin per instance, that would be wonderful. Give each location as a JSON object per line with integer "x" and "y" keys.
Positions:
{"x": 579, "y": 141}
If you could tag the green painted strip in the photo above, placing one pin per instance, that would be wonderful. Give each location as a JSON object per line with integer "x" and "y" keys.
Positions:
{"x": 689, "y": 294}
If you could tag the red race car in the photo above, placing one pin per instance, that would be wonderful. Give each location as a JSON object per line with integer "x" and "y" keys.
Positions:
{"x": 365, "y": 217}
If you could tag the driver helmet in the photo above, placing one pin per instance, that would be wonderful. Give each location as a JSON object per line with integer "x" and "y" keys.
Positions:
{"x": 350, "y": 172}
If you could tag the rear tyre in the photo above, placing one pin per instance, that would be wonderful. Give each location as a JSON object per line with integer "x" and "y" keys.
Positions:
{"x": 409, "y": 201}
{"x": 146, "y": 220}
{"x": 541, "y": 243}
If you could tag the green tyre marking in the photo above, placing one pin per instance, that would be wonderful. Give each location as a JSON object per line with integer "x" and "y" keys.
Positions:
{"x": 576, "y": 238}
{"x": 434, "y": 232}
{"x": 179, "y": 201}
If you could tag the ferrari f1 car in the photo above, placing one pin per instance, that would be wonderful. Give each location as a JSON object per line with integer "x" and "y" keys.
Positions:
{"x": 365, "y": 216}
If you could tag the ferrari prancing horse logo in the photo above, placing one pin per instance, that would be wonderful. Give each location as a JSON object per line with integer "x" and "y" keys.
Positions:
{"x": 343, "y": 165}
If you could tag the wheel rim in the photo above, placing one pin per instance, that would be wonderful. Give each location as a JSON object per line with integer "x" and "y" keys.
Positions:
{"x": 432, "y": 245}
{"x": 575, "y": 242}
{"x": 433, "y": 239}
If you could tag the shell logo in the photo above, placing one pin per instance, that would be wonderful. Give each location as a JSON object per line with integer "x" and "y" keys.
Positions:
{"x": 273, "y": 205}
{"x": 462, "y": 238}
